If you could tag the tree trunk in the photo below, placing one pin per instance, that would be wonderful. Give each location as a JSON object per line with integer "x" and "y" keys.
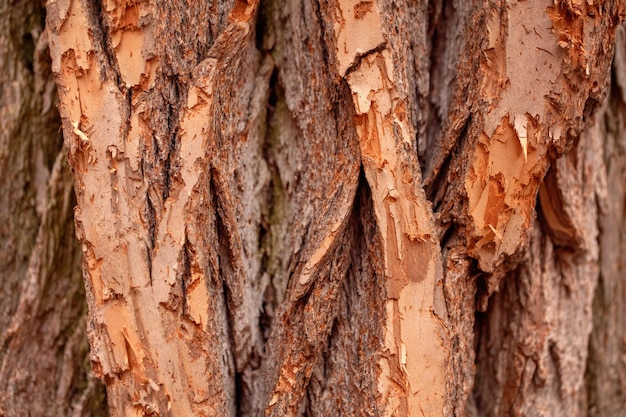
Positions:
{"x": 43, "y": 346}
{"x": 348, "y": 207}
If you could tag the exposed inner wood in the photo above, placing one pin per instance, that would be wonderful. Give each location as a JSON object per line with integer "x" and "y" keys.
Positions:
{"x": 414, "y": 357}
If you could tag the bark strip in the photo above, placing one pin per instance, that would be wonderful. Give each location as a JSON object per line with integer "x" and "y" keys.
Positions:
{"x": 413, "y": 360}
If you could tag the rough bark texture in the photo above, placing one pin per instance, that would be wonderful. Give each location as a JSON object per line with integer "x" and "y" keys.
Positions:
{"x": 390, "y": 207}
{"x": 534, "y": 351}
{"x": 605, "y": 377}
{"x": 43, "y": 346}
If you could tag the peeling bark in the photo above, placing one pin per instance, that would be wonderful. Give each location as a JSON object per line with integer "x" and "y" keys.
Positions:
{"x": 43, "y": 345}
{"x": 348, "y": 207}
{"x": 414, "y": 334}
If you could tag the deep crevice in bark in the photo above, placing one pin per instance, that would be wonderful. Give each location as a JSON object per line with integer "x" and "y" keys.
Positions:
{"x": 438, "y": 142}
{"x": 229, "y": 275}
{"x": 99, "y": 25}
{"x": 437, "y": 184}
{"x": 556, "y": 222}
{"x": 225, "y": 254}
{"x": 349, "y": 358}
{"x": 435, "y": 35}
{"x": 493, "y": 335}
{"x": 483, "y": 290}
{"x": 185, "y": 275}
{"x": 151, "y": 221}
{"x": 263, "y": 28}
{"x": 27, "y": 49}
{"x": 270, "y": 211}
{"x": 175, "y": 103}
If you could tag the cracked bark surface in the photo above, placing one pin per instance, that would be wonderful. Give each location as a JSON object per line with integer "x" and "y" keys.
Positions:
{"x": 348, "y": 207}
{"x": 44, "y": 358}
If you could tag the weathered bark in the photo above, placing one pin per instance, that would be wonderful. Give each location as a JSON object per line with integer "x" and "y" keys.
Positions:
{"x": 43, "y": 346}
{"x": 296, "y": 208}
{"x": 606, "y": 367}
{"x": 531, "y": 343}
{"x": 533, "y": 346}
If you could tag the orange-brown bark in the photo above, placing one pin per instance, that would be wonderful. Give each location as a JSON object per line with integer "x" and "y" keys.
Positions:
{"x": 43, "y": 345}
{"x": 256, "y": 231}
{"x": 414, "y": 357}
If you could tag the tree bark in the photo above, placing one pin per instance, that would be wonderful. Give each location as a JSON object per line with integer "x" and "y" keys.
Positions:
{"x": 605, "y": 375}
{"x": 43, "y": 345}
{"x": 347, "y": 207}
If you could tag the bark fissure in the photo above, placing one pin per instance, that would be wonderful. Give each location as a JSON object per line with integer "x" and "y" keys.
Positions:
{"x": 345, "y": 378}
{"x": 185, "y": 277}
{"x": 449, "y": 107}
{"x": 439, "y": 182}
{"x": 271, "y": 233}
{"x": 150, "y": 214}
{"x": 98, "y": 24}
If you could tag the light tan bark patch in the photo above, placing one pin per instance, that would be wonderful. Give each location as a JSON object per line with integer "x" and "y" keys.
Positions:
{"x": 413, "y": 365}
